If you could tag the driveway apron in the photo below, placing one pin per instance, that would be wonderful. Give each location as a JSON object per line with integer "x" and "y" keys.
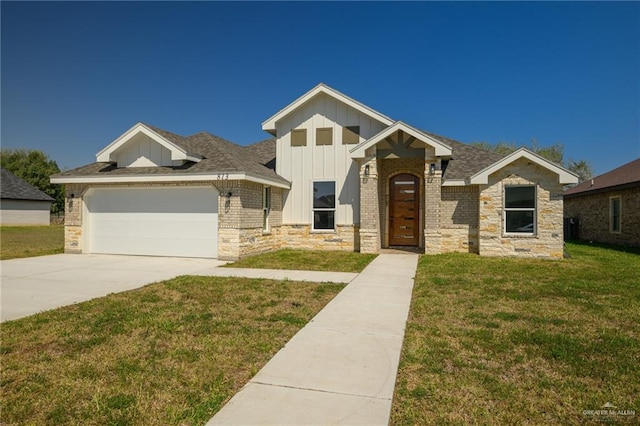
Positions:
{"x": 38, "y": 284}
{"x": 341, "y": 367}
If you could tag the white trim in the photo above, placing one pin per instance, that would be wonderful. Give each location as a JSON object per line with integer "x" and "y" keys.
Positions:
{"x": 177, "y": 153}
{"x": 269, "y": 124}
{"x": 564, "y": 175}
{"x": 619, "y": 198}
{"x": 214, "y": 177}
{"x": 312, "y": 227}
{"x": 506, "y": 209}
{"x": 455, "y": 182}
{"x": 442, "y": 150}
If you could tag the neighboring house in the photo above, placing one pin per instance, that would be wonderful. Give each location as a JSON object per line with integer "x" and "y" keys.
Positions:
{"x": 337, "y": 175}
{"x": 21, "y": 203}
{"x": 606, "y": 208}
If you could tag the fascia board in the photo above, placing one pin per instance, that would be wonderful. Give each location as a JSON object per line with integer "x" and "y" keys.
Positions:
{"x": 213, "y": 177}
{"x": 564, "y": 175}
{"x": 441, "y": 150}
{"x": 269, "y": 124}
{"x": 455, "y": 182}
{"x": 177, "y": 153}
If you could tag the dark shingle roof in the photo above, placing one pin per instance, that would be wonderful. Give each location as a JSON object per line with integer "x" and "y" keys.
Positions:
{"x": 264, "y": 152}
{"x": 627, "y": 174}
{"x": 14, "y": 188}
{"x": 466, "y": 160}
{"x": 218, "y": 156}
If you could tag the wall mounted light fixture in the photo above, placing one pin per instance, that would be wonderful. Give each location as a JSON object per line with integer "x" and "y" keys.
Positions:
{"x": 432, "y": 168}
{"x": 366, "y": 170}
{"x": 229, "y": 194}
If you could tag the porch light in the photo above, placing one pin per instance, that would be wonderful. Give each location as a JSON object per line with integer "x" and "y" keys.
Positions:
{"x": 432, "y": 168}
{"x": 366, "y": 170}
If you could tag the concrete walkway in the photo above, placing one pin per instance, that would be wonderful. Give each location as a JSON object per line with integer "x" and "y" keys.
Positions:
{"x": 340, "y": 369}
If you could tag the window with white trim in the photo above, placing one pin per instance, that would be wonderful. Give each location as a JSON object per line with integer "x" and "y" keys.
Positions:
{"x": 520, "y": 209}
{"x": 615, "y": 214}
{"x": 324, "y": 205}
{"x": 266, "y": 207}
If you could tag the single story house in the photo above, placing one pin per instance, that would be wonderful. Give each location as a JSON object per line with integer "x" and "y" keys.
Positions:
{"x": 606, "y": 208}
{"x": 21, "y": 203}
{"x": 335, "y": 175}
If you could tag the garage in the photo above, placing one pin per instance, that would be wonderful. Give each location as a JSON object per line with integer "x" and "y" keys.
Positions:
{"x": 163, "y": 221}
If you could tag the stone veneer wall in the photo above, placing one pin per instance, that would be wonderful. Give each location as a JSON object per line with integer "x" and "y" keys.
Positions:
{"x": 73, "y": 207}
{"x": 300, "y": 236}
{"x": 459, "y": 219}
{"x": 548, "y": 240}
{"x": 240, "y": 232}
{"x": 592, "y": 211}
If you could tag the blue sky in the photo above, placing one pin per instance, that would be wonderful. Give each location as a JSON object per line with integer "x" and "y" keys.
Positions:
{"x": 76, "y": 75}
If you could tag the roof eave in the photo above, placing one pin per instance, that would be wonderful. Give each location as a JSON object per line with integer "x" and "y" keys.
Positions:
{"x": 182, "y": 177}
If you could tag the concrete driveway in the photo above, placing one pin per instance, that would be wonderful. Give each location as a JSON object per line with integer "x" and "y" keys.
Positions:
{"x": 38, "y": 284}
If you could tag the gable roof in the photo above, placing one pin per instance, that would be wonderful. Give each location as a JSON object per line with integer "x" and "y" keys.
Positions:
{"x": 217, "y": 156}
{"x": 14, "y": 188}
{"x": 269, "y": 124}
{"x": 465, "y": 160}
{"x": 626, "y": 175}
{"x": 442, "y": 149}
{"x": 166, "y": 139}
{"x": 564, "y": 175}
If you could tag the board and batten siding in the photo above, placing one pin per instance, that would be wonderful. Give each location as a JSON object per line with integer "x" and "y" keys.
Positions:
{"x": 302, "y": 165}
{"x": 142, "y": 151}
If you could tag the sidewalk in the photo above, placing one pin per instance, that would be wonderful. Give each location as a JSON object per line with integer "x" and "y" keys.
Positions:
{"x": 341, "y": 367}
{"x": 282, "y": 274}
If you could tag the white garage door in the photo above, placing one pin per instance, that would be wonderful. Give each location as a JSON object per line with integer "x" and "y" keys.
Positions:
{"x": 178, "y": 221}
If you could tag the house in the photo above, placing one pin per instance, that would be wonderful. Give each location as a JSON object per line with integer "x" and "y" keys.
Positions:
{"x": 336, "y": 175}
{"x": 21, "y": 203}
{"x": 606, "y": 208}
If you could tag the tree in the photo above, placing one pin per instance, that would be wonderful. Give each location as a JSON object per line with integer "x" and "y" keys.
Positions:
{"x": 554, "y": 153}
{"x": 35, "y": 168}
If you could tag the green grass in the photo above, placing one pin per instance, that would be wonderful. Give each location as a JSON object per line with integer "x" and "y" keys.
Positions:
{"x": 514, "y": 341}
{"x": 307, "y": 260}
{"x": 30, "y": 241}
{"x": 168, "y": 353}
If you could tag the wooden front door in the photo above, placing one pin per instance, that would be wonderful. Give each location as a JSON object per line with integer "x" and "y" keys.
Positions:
{"x": 404, "y": 210}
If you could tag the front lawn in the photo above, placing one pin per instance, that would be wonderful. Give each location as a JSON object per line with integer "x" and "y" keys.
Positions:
{"x": 307, "y": 260}
{"x": 168, "y": 353}
{"x": 30, "y": 241}
{"x": 513, "y": 341}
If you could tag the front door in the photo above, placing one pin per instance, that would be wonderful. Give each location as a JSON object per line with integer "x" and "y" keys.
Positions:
{"x": 404, "y": 210}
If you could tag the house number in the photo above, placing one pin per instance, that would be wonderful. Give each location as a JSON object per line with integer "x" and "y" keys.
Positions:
{"x": 223, "y": 176}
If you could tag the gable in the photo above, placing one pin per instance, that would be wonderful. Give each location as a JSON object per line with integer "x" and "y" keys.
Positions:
{"x": 271, "y": 124}
{"x": 141, "y": 146}
{"x": 391, "y": 137}
{"x": 564, "y": 176}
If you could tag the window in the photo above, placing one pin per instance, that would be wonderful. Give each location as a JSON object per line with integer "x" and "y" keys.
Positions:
{"x": 350, "y": 135}
{"x": 520, "y": 209}
{"x": 266, "y": 207}
{"x": 299, "y": 137}
{"x": 324, "y": 136}
{"x": 324, "y": 205}
{"x": 614, "y": 214}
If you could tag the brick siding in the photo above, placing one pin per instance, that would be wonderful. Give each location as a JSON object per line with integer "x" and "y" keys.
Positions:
{"x": 592, "y": 212}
